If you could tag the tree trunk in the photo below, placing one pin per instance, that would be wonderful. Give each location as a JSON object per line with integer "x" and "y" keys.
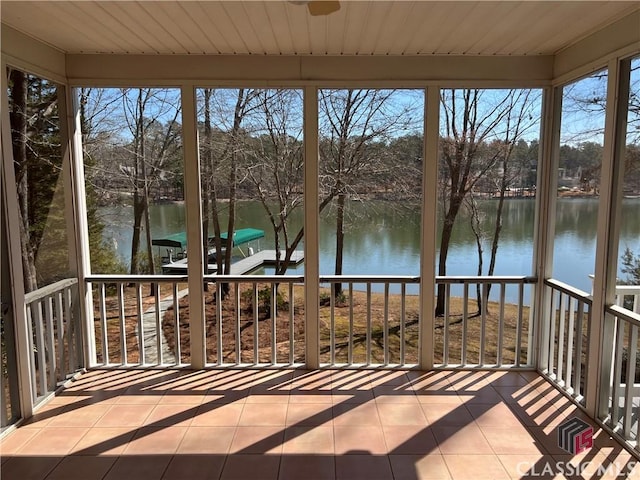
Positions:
{"x": 19, "y": 144}
{"x": 339, "y": 241}
{"x": 477, "y": 232}
{"x": 447, "y": 231}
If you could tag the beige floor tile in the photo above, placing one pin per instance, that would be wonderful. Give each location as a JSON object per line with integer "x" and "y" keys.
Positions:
{"x": 194, "y": 467}
{"x": 307, "y": 414}
{"x": 511, "y": 440}
{"x": 307, "y": 467}
{"x": 409, "y": 440}
{"x": 82, "y": 468}
{"x": 16, "y": 439}
{"x": 308, "y": 440}
{"x": 447, "y": 414}
{"x": 262, "y": 440}
{"x": 181, "y": 398}
{"x": 28, "y": 468}
{"x": 531, "y": 465}
{"x": 263, "y": 414}
{"x": 139, "y": 467}
{"x": 104, "y": 441}
{"x": 344, "y": 395}
{"x": 438, "y": 397}
{"x": 389, "y": 378}
{"x": 86, "y": 416}
{"x": 401, "y": 414}
{"x": 461, "y": 440}
{"x": 137, "y": 396}
{"x": 390, "y": 394}
{"x": 485, "y": 395}
{"x": 171, "y": 415}
{"x": 363, "y": 467}
{"x": 266, "y": 393}
{"x": 244, "y": 467}
{"x": 43, "y": 416}
{"x": 155, "y": 441}
{"x": 410, "y": 467}
{"x": 499, "y": 415}
{"x": 206, "y": 440}
{"x": 217, "y": 415}
{"x": 359, "y": 440}
{"x": 125, "y": 416}
{"x": 356, "y": 414}
{"x": 53, "y": 441}
{"x": 324, "y": 422}
{"x": 480, "y": 467}
{"x": 506, "y": 379}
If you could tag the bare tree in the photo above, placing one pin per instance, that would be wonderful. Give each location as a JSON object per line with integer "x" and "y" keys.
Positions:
{"x": 223, "y": 159}
{"x": 276, "y": 167}
{"x": 151, "y": 144}
{"x": 471, "y": 118}
{"x": 519, "y": 120}
{"x": 351, "y": 120}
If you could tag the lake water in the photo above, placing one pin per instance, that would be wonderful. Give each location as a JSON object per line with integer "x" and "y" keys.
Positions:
{"x": 384, "y": 238}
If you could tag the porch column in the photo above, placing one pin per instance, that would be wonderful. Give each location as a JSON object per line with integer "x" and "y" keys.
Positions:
{"x": 601, "y": 331}
{"x": 545, "y": 223}
{"x": 76, "y": 219}
{"x": 193, "y": 205}
{"x": 311, "y": 229}
{"x": 10, "y": 203}
{"x": 429, "y": 225}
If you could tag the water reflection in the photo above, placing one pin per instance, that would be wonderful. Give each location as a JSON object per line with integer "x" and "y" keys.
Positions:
{"x": 384, "y": 239}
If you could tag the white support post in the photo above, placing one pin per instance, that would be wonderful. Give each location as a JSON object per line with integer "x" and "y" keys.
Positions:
{"x": 311, "y": 229}
{"x": 76, "y": 219}
{"x": 601, "y": 331}
{"x": 429, "y": 225}
{"x": 545, "y": 221}
{"x": 12, "y": 209}
{"x": 195, "y": 259}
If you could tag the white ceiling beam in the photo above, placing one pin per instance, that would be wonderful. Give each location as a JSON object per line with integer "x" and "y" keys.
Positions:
{"x": 592, "y": 53}
{"x": 32, "y": 56}
{"x": 407, "y": 71}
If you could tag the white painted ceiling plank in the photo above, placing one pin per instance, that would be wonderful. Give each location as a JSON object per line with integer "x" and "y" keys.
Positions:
{"x": 505, "y": 31}
{"x": 67, "y": 31}
{"x": 129, "y": 14}
{"x": 279, "y": 27}
{"x": 160, "y": 24}
{"x": 258, "y": 18}
{"x": 244, "y": 28}
{"x": 95, "y": 16}
{"x": 337, "y": 24}
{"x": 375, "y": 23}
{"x": 208, "y": 21}
{"x": 201, "y": 28}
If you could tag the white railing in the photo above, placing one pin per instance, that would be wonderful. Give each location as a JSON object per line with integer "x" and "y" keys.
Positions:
{"x": 486, "y": 333}
{"x": 54, "y": 336}
{"x": 254, "y": 322}
{"x": 623, "y": 384}
{"x": 131, "y": 324}
{"x": 566, "y": 338}
{"x": 628, "y": 296}
{"x": 368, "y": 325}
{"x": 259, "y": 320}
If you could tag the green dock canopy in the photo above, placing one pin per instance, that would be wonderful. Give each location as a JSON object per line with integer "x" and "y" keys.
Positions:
{"x": 179, "y": 240}
{"x": 244, "y": 235}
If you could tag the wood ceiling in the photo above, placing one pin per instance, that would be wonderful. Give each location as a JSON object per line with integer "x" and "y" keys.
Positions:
{"x": 286, "y": 28}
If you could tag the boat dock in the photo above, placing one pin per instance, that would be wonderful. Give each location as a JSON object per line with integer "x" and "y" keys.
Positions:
{"x": 264, "y": 258}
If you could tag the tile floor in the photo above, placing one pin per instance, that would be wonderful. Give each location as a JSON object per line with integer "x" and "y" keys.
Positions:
{"x": 301, "y": 424}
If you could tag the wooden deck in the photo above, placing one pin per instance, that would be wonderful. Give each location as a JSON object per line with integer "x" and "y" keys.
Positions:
{"x": 264, "y": 258}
